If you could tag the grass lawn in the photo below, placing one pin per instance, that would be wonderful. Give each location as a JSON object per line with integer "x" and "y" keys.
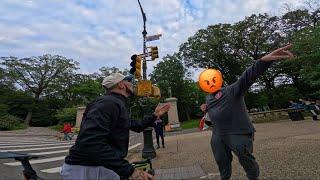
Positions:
{"x": 193, "y": 123}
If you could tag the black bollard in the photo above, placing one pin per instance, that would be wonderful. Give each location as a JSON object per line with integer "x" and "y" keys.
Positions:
{"x": 148, "y": 150}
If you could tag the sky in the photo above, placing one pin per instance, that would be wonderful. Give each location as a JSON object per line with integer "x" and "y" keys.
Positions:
{"x": 99, "y": 33}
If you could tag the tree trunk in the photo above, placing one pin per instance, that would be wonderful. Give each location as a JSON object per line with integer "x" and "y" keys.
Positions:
{"x": 28, "y": 118}
{"x": 269, "y": 91}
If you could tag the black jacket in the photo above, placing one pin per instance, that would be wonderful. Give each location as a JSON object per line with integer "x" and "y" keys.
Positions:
{"x": 104, "y": 135}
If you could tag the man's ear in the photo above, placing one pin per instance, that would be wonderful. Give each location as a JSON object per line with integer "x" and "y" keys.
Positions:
{"x": 121, "y": 85}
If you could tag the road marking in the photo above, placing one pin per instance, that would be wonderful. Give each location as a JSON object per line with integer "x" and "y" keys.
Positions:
{"x": 58, "y": 169}
{"x": 37, "y": 161}
{"x": 51, "y": 170}
{"x": 36, "y": 145}
{"x": 50, "y": 152}
{"x": 28, "y": 143}
{"x": 35, "y": 149}
{"x": 134, "y": 146}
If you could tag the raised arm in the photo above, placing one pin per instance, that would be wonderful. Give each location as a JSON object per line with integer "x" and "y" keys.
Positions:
{"x": 259, "y": 67}
{"x": 138, "y": 126}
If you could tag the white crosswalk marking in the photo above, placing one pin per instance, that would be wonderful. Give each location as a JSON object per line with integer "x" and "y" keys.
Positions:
{"x": 58, "y": 169}
{"x": 51, "y": 151}
{"x": 35, "y": 149}
{"x": 36, "y": 145}
{"x": 37, "y": 161}
{"x": 52, "y": 170}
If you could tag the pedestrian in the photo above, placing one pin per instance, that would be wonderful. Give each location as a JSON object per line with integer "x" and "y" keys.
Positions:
{"x": 158, "y": 128}
{"x": 102, "y": 144}
{"x": 67, "y": 131}
{"x": 232, "y": 129}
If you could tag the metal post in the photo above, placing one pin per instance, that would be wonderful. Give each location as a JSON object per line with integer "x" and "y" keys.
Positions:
{"x": 148, "y": 150}
{"x": 144, "y": 34}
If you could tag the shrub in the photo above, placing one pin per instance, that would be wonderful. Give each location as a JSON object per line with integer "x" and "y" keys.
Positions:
{"x": 67, "y": 115}
{"x": 9, "y": 122}
{"x": 3, "y": 109}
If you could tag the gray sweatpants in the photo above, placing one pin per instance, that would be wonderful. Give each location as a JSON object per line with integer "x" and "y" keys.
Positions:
{"x": 77, "y": 172}
{"x": 242, "y": 146}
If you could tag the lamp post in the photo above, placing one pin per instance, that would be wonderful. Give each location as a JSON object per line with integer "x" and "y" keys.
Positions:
{"x": 148, "y": 150}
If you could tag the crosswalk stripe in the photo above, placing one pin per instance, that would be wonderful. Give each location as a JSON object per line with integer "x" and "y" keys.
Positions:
{"x": 36, "y": 145}
{"x": 31, "y": 143}
{"x": 38, "y": 161}
{"x": 35, "y": 149}
{"x": 50, "y": 152}
{"x": 25, "y": 141}
{"x": 52, "y": 170}
{"x": 58, "y": 169}
{"x": 134, "y": 146}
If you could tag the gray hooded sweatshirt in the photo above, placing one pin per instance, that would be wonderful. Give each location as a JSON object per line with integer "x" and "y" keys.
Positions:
{"x": 227, "y": 109}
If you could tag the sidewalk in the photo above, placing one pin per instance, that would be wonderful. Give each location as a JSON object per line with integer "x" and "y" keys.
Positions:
{"x": 284, "y": 150}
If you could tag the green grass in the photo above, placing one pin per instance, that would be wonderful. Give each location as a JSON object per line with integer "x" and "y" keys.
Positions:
{"x": 193, "y": 123}
{"x": 57, "y": 127}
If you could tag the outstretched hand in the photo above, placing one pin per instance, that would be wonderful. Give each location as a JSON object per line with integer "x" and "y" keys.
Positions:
{"x": 161, "y": 109}
{"x": 281, "y": 53}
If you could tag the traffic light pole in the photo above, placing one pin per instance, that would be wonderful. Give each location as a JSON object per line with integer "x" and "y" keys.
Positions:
{"x": 148, "y": 150}
{"x": 144, "y": 34}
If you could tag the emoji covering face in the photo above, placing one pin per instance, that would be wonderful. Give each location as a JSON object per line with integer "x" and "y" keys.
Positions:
{"x": 210, "y": 80}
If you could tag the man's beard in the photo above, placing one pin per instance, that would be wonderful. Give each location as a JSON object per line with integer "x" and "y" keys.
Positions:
{"x": 130, "y": 93}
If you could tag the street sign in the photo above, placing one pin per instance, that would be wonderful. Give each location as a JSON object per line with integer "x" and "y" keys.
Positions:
{"x": 153, "y": 38}
{"x": 144, "y": 88}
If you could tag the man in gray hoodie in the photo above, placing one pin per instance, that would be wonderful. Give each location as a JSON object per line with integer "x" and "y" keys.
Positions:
{"x": 232, "y": 129}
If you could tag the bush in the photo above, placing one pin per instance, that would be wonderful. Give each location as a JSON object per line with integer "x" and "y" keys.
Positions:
{"x": 3, "y": 109}
{"x": 67, "y": 115}
{"x": 9, "y": 122}
{"x": 43, "y": 114}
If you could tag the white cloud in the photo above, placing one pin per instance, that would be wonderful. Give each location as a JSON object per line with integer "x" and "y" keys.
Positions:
{"x": 106, "y": 33}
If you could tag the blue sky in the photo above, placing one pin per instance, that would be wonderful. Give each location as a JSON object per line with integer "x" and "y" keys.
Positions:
{"x": 100, "y": 33}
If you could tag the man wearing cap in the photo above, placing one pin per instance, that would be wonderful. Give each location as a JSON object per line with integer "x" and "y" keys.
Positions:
{"x": 102, "y": 143}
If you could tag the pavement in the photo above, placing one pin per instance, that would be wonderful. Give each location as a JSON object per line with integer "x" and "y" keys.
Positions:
{"x": 284, "y": 150}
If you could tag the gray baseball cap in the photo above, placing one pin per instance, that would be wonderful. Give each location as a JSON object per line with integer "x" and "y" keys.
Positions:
{"x": 114, "y": 79}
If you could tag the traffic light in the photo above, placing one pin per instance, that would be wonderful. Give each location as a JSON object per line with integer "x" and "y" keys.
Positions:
{"x": 137, "y": 74}
{"x": 154, "y": 52}
{"x": 136, "y": 66}
{"x": 133, "y": 64}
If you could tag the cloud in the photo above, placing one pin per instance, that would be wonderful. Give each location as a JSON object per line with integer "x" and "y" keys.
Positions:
{"x": 106, "y": 33}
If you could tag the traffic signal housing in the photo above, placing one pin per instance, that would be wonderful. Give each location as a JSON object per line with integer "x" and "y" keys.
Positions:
{"x": 136, "y": 66}
{"x": 154, "y": 52}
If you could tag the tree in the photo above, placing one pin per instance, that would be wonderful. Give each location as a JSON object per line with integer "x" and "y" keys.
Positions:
{"x": 304, "y": 70}
{"x": 170, "y": 73}
{"x": 232, "y": 48}
{"x": 214, "y": 48}
{"x": 259, "y": 35}
{"x": 35, "y": 74}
